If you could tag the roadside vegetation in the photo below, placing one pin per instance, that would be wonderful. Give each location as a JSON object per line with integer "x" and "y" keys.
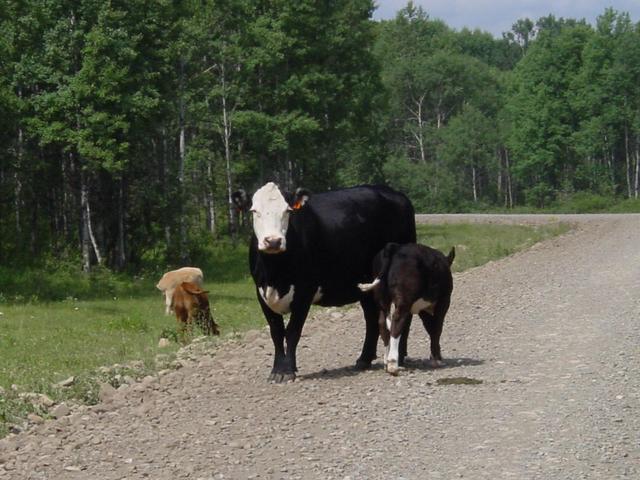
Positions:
{"x": 578, "y": 202}
{"x": 185, "y": 102}
{"x": 85, "y": 324}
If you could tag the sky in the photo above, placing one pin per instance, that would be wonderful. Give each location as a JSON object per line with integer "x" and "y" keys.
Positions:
{"x": 497, "y": 16}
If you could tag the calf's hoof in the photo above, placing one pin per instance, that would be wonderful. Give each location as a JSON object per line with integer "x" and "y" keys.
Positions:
{"x": 392, "y": 368}
{"x": 280, "y": 377}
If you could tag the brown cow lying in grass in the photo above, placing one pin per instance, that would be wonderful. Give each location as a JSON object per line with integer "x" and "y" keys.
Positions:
{"x": 411, "y": 279}
{"x": 172, "y": 279}
{"x": 191, "y": 305}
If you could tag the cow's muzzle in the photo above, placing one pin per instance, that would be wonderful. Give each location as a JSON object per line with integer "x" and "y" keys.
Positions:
{"x": 273, "y": 245}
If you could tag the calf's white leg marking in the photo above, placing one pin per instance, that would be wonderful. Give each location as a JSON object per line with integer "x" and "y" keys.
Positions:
{"x": 392, "y": 310}
{"x": 392, "y": 358}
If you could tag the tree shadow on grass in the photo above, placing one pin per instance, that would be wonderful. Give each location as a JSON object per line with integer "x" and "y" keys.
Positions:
{"x": 422, "y": 364}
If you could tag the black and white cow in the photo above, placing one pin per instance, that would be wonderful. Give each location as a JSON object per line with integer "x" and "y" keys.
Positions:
{"x": 315, "y": 249}
{"x": 410, "y": 279}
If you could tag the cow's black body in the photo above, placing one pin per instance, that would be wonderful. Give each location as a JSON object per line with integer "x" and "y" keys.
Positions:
{"x": 331, "y": 242}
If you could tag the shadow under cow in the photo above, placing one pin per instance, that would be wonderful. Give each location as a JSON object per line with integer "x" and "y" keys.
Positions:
{"x": 422, "y": 364}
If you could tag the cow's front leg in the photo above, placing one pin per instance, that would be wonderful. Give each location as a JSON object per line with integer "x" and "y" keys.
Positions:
{"x": 276, "y": 328}
{"x": 371, "y": 314}
{"x": 398, "y": 321}
{"x": 293, "y": 333}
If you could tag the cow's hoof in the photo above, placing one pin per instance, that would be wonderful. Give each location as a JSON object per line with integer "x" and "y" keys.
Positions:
{"x": 437, "y": 363}
{"x": 392, "y": 368}
{"x": 363, "y": 364}
{"x": 282, "y": 377}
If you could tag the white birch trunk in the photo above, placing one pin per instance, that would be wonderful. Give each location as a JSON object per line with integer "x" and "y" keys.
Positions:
{"x": 121, "y": 254}
{"x": 17, "y": 181}
{"x": 636, "y": 184}
{"x": 627, "y": 160}
{"x": 88, "y": 238}
{"x": 509, "y": 188}
{"x": 181, "y": 161}
{"x": 226, "y": 138}
{"x": 475, "y": 190}
{"x": 211, "y": 215}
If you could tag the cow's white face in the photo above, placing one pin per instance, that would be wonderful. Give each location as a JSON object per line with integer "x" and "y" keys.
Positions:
{"x": 270, "y": 219}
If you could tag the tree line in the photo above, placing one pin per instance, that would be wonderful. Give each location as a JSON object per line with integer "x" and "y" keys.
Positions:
{"x": 125, "y": 126}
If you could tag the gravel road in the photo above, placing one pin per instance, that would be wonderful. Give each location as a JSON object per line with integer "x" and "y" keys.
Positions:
{"x": 552, "y": 334}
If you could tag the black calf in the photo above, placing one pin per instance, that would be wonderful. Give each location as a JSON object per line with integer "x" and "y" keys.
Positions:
{"x": 410, "y": 279}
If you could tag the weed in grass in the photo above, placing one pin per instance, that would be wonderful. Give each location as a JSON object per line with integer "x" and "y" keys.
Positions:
{"x": 13, "y": 411}
{"x": 129, "y": 324}
{"x": 170, "y": 333}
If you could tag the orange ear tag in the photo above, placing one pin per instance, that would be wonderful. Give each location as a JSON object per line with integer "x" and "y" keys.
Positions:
{"x": 297, "y": 205}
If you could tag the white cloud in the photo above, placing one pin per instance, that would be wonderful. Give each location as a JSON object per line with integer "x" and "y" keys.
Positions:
{"x": 497, "y": 16}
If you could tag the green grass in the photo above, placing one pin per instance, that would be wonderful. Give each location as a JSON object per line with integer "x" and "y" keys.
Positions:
{"x": 42, "y": 343}
{"x": 579, "y": 202}
{"x": 477, "y": 244}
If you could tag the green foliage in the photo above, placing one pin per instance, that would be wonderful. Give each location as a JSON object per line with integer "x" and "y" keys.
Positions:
{"x": 629, "y": 205}
{"x": 585, "y": 202}
{"x": 34, "y": 284}
{"x": 125, "y": 125}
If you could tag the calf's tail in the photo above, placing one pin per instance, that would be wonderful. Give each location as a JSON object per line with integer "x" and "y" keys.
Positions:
{"x": 385, "y": 257}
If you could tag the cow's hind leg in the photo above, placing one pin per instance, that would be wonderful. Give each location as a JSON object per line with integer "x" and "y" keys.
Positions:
{"x": 371, "y": 314}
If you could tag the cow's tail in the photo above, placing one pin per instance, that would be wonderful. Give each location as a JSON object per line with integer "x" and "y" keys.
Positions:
{"x": 451, "y": 256}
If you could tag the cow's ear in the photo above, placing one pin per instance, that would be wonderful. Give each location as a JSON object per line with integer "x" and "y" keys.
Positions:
{"x": 300, "y": 198}
{"x": 240, "y": 200}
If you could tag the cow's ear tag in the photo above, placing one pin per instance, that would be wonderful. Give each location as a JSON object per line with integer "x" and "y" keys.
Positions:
{"x": 300, "y": 198}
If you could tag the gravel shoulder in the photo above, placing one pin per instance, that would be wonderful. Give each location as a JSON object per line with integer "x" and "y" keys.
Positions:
{"x": 552, "y": 334}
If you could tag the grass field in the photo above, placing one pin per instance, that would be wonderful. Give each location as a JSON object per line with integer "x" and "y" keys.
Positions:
{"x": 42, "y": 343}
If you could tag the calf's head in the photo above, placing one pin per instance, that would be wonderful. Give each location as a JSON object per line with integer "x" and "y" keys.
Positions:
{"x": 271, "y": 212}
